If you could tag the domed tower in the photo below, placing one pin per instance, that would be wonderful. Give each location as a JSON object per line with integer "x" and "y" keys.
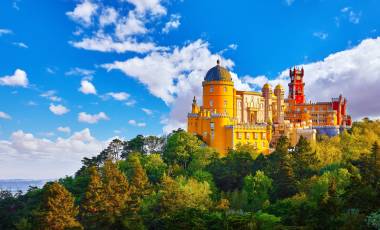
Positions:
{"x": 218, "y": 91}
{"x": 267, "y": 94}
{"x": 279, "y": 92}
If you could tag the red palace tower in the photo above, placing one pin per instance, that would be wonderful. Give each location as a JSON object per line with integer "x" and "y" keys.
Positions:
{"x": 296, "y": 86}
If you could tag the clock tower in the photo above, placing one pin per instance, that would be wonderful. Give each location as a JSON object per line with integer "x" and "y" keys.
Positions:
{"x": 296, "y": 86}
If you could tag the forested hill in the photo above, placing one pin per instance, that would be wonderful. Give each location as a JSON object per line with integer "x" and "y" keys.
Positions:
{"x": 177, "y": 182}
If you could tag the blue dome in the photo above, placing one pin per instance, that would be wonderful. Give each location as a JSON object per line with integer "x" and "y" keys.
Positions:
{"x": 218, "y": 73}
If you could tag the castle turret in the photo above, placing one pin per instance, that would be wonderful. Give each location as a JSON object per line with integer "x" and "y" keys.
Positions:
{"x": 218, "y": 91}
{"x": 267, "y": 94}
{"x": 296, "y": 86}
{"x": 194, "y": 106}
{"x": 279, "y": 92}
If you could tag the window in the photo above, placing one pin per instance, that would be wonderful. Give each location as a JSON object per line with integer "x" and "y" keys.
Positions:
{"x": 211, "y": 89}
{"x": 247, "y": 135}
{"x": 225, "y": 89}
{"x": 204, "y": 134}
{"x": 239, "y": 135}
{"x": 263, "y": 136}
{"x": 211, "y": 103}
{"x": 212, "y": 125}
{"x": 256, "y": 136}
{"x": 212, "y": 134}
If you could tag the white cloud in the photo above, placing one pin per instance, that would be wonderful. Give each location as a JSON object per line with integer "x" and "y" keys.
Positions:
{"x": 173, "y": 23}
{"x": 87, "y": 87}
{"x": 64, "y": 129}
{"x": 80, "y": 72}
{"x": 120, "y": 96}
{"x": 50, "y": 70}
{"x": 26, "y": 156}
{"x": 128, "y": 26}
{"x": 109, "y": 16}
{"x": 20, "y": 44}
{"x": 5, "y": 31}
{"x": 92, "y": 118}
{"x": 5, "y": 116}
{"x": 19, "y": 78}
{"x": 321, "y": 35}
{"x": 105, "y": 43}
{"x": 83, "y": 12}
{"x": 181, "y": 72}
{"x": 355, "y": 73}
{"x": 152, "y": 6}
{"x": 135, "y": 123}
{"x": 51, "y": 95}
{"x": 58, "y": 109}
{"x": 147, "y": 111}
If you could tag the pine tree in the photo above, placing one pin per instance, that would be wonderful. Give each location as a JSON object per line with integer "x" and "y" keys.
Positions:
{"x": 92, "y": 204}
{"x": 375, "y": 164}
{"x": 305, "y": 159}
{"x": 58, "y": 210}
{"x": 116, "y": 192}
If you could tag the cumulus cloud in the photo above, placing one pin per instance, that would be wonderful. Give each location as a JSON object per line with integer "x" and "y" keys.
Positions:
{"x": 181, "y": 72}
{"x": 105, "y": 43}
{"x": 65, "y": 129}
{"x": 5, "y": 116}
{"x": 109, "y": 16}
{"x": 83, "y": 12}
{"x": 19, "y": 78}
{"x": 58, "y": 109}
{"x": 25, "y": 156}
{"x": 130, "y": 25}
{"x": 173, "y": 23}
{"x": 87, "y": 87}
{"x": 135, "y": 123}
{"x": 353, "y": 17}
{"x": 152, "y": 6}
{"x": 120, "y": 96}
{"x": 92, "y": 118}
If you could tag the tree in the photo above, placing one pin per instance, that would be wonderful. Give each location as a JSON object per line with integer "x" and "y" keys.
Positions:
{"x": 180, "y": 147}
{"x": 92, "y": 209}
{"x": 305, "y": 159}
{"x": 58, "y": 210}
{"x": 153, "y": 144}
{"x": 155, "y": 167}
{"x": 280, "y": 170}
{"x": 257, "y": 188}
{"x": 134, "y": 145}
{"x": 116, "y": 192}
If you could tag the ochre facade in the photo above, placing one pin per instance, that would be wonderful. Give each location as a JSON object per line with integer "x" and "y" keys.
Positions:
{"x": 229, "y": 117}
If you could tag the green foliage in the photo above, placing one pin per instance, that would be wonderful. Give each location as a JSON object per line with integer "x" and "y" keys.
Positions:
{"x": 257, "y": 188}
{"x": 177, "y": 182}
{"x": 180, "y": 147}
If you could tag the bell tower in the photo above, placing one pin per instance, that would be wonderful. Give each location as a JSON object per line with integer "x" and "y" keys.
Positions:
{"x": 296, "y": 86}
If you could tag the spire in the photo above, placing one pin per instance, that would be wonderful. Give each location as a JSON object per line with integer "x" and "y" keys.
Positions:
{"x": 194, "y": 100}
{"x": 218, "y": 62}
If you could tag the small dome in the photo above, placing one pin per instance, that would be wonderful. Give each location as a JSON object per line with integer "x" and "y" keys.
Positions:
{"x": 266, "y": 85}
{"x": 218, "y": 73}
{"x": 279, "y": 87}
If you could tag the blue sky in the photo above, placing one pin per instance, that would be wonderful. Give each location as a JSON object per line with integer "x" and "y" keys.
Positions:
{"x": 74, "y": 74}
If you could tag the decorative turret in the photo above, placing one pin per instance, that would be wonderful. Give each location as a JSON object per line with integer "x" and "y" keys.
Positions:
{"x": 267, "y": 94}
{"x": 296, "y": 85}
{"x": 194, "y": 106}
{"x": 279, "y": 92}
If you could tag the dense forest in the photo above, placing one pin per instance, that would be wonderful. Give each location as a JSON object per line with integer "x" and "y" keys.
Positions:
{"x": 177, "y": 182}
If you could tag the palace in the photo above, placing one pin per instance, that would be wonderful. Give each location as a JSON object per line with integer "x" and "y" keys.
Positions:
{"x": 230, "y": 117}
